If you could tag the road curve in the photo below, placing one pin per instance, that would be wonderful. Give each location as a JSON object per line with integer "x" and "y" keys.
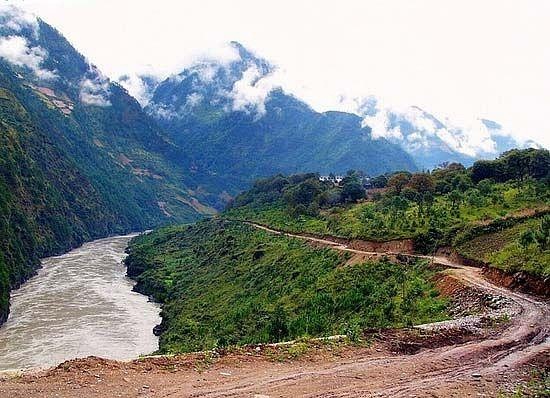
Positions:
{"x": 527, "y": 334}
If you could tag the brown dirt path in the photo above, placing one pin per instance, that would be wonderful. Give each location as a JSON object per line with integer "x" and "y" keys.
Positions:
{"x": 478, "y": 368}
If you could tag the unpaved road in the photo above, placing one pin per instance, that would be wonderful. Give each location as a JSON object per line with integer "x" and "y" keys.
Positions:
{"x": 477, "y": 368}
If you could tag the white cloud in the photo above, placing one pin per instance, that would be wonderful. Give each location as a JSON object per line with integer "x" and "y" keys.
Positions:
{"x": 137, "y": 88}
{"x": 163, "y": 111}
{"x": 16, "y": 50}
{"x": 193, "y": 99}
{"x": 94, "y": 89}
{"x": 415, "y": 129}
{"x": 380, "y": 126}
{"x": 469, "y": 136}
{"x": 252, "y": 90}
{"x": 412, "y": 52}
{"x": 15, "y": 18}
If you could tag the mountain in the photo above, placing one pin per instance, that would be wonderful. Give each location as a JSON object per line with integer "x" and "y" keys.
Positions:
{"x": 232, "y": 120}
{"x": 431, "y": 141}
{"x": 79, "y": 159}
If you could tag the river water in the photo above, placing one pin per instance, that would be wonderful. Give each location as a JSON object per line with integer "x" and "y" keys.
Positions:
{"x": 79, "y": 304}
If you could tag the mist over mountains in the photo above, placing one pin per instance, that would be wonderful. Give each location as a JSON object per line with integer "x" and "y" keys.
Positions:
{"x": 240, "y": 81}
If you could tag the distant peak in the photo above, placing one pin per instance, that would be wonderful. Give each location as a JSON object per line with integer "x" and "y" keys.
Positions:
{"x": 244, "y": 53}
{"x": 491, "y": 124}
{"x": 248, "y": 57}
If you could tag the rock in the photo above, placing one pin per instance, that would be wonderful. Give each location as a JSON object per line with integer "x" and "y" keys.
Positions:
{"x": 476, "y": 375}
{"x": 158, "y": 330}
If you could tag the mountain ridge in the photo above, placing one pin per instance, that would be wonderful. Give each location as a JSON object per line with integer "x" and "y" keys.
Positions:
{"x": 79, "y": 158}
{"x": 242, "y": 125}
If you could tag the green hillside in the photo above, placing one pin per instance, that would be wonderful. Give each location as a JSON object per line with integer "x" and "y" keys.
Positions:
{"x": 448, "y": 207}
{"x": 72, "y": 170}
{"x": 225, "y": 283}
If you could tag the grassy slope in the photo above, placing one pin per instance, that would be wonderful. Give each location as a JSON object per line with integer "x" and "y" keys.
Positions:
{"x": 462, "y": 227}
{"x": 501, "y": 249}
{"x": 378, "y": 220}
{"x": 225, "y": 282}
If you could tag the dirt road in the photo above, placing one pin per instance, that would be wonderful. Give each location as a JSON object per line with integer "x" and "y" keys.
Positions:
{"x": 476, "y": 368}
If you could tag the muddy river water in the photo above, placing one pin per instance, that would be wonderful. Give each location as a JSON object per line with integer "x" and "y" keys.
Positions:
{"x": 79, "y": 304}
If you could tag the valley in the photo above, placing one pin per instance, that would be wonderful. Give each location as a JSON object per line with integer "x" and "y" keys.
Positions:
{"x": 488, "y": 364}
{"x": 211, "y": 228}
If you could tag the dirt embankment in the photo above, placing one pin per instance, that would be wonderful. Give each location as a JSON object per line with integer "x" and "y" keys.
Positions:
{"x": 518, "y": 281}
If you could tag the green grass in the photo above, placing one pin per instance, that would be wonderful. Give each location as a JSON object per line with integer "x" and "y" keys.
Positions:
{"x": 225, "y": 283}
{"x": 503, "y": 250}
{"x": 482, "y": 226}
{"x": 386, "y": 219}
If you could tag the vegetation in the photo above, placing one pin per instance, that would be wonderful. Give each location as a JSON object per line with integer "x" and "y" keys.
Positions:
{"x": 449, "y": 206}
{"x": 68, "y": 177}
{"x": 521, "y": 247}
{"x": 225, "y": 283}
{"x": 537, "y": 386}
{"x": 289, "y": 137}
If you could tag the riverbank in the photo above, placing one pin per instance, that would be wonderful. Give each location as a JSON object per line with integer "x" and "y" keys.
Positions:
{"x": 81, "y": 303}
{"x": 399, "y": 363}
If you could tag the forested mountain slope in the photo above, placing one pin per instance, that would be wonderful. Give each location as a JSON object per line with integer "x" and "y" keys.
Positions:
{"x": 232, "y": 121}
{"x": 496, "y": 211}
{"x": 79, "y": 159}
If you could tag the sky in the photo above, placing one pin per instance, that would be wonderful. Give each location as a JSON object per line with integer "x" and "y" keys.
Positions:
{"x": 456, "y": 59}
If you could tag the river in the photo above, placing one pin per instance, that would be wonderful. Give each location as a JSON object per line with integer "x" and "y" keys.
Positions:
{"x": 79, "y": 304}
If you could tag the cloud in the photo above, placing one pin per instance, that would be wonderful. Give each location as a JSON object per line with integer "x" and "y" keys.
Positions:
{"x": 94, "y": 89}
{"x": 193, "y": 99}
{"x": 416, "y": 129}
{"x": 16, "y": 50}
{"x": 223, "y": 54}
{"x": 140, "y": 87}
{"x": 468, "y": 136}
{"x": 16, "y": 19}
{"x": 250, "y": 93}
{"x": 380, "y": 126}
{"x": 206, "y": 71}
{"x": 162, "y": 111}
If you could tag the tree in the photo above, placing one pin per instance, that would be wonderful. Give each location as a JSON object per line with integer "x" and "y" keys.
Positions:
{"x": 299, "y": 198}
{"x": 411, "y": 194}
{"x": 379, "y": 181}
{"x": 484, "y": 169}
{"x": 517, "y": 164}
{"x": 278, "y": 328}
{"x": 542, "y": 234}
{"x": 421, "y": 183}
{"x": 539, "y": 165}
{"x": 352, "y": 190}
{"x": 527, "y": 238}
{"x": 398, "y": 181}
{"x": 456, "y": 198}
{"x": 485, "y": 187}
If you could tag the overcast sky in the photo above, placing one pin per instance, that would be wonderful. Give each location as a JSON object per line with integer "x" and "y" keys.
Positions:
{"x": 463, "y": 59}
